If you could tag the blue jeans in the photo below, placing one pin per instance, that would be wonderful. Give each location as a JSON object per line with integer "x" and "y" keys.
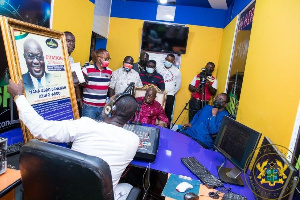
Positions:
{"x": 92, "y": 112}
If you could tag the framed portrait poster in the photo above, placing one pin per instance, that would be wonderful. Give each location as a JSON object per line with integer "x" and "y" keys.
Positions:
{"x": 39, "y": 57}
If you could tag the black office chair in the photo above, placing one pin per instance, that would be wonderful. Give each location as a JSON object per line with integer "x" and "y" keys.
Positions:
{"x": 52, "y": 172}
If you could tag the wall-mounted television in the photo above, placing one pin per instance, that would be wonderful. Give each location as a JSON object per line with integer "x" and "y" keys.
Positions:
{"x": 163, "y": 37}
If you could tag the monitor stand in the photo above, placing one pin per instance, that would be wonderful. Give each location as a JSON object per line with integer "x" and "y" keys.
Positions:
{"x": 231, "y": 176}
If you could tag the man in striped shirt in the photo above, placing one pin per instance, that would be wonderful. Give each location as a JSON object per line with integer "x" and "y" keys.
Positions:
{"x": 151, "y": 76}
{"x": 95, "y": 92}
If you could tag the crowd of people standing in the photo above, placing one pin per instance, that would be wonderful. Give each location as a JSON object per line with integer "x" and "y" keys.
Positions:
{"x": 102, "y": 83}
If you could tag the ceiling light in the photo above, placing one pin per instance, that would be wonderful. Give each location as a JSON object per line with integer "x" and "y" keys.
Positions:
{"x": 163, "y": 1}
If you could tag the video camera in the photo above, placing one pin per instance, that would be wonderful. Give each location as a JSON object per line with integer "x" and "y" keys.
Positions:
{"x": 203, "y": 75}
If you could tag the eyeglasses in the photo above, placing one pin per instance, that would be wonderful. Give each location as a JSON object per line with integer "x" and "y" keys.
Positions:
{"x": 31, "y": 57}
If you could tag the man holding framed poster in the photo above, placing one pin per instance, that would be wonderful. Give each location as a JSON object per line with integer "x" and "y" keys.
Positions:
{"x": 43, "y": 71}
{"x": 39, "y": 57}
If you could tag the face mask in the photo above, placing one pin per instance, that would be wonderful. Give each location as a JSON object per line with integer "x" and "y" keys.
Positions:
{"x": 127, "y": 67}
{"x": 217, "y": 104}
{"x": 105, "y": 64}
{"x": 168, "y": 64}
{"x": 149, "y": 70}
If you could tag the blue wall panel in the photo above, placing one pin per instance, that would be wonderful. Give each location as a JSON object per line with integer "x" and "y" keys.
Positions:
{"x": 235, "y": 9}
{"x": 200, "y": 16}
{"x": 100, "y": 43}
{"x": 133, "y": 10}
{"x": 183, "y": 14}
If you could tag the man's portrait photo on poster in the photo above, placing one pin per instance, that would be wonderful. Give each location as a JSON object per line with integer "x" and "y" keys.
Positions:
{"x": 36, "y": 77}
{"x": 42, "y": 66}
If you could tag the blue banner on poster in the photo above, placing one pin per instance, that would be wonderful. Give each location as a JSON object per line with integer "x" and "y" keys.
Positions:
{"x": 58, "y": 110}
{"x": 56, "y": 68}
{"x": 33, "y": 11}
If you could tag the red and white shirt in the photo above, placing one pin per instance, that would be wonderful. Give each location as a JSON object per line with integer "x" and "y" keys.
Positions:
{"x": 95, "y": 92}
{"x": 196, "y": 82}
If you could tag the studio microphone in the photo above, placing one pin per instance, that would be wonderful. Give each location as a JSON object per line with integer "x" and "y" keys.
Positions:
{"x": 130, "y": 89}
{"x": 137, "y": 122}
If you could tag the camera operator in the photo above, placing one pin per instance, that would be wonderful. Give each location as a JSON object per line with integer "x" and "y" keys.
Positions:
{"x": 203, "y": 87}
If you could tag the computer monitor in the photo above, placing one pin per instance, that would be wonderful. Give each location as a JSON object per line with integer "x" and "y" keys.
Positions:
{"x": 272, "y": 176}
{"x": 236, "y": 142}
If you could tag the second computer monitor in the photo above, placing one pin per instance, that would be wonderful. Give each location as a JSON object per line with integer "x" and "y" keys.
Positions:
{"x": 236, "y": 142}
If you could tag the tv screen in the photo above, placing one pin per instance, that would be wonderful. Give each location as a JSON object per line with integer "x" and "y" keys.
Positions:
{"x": 166, "y": 38}
{"x": 33, "y": 11}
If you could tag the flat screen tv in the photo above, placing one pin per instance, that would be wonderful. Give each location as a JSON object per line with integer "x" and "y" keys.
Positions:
{"x": 162, "y": 37}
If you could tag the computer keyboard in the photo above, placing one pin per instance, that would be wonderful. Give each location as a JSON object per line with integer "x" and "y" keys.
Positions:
{"x": 201, "y": 172}
{"x": 233, "y": 196}
{"x": 14, "y": 148}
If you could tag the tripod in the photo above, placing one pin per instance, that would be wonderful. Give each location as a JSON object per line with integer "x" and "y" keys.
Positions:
{"x": 186, "y": 104}
{"x": 202, "y": 91}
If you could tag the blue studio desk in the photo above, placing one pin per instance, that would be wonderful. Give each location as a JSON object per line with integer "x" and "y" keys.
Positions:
{"x": 173, "y": 146}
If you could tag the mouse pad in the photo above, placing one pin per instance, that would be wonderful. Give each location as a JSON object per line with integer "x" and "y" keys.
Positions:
{"x": 173, "y": 181}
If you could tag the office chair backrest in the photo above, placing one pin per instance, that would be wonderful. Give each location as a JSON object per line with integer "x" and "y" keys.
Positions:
{"x": 53, "y": 172}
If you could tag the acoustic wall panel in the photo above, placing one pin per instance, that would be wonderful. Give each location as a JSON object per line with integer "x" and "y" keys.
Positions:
{"x": 101, "y": 17}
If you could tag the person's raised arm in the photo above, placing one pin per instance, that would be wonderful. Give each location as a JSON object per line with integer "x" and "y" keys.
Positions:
{"x": 214, "y": 124}
{"x": 192, "y": 87}
{"x": 55, "y": 131}
{"x": 211, "y": 89}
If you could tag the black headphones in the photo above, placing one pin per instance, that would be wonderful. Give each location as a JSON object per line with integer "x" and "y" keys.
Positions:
{"x": 110, "y": 108}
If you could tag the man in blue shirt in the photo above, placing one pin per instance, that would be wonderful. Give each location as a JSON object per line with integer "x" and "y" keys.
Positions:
{"x": 207, "y": 121}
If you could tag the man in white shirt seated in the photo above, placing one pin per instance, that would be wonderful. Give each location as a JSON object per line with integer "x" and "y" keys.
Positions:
{"x": 106, "y": 140}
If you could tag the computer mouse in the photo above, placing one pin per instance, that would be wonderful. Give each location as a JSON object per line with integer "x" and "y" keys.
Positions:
{"x": 184, "y": 186}
{"x": 191, "y": 196}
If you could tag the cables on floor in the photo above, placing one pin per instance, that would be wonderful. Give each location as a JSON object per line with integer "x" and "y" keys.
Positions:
{"x": 146, "y": 185}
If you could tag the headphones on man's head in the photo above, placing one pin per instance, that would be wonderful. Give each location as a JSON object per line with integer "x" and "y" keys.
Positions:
{"x": 110, "y": 108}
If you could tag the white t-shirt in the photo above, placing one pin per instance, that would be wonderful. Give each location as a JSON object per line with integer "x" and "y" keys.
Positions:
{"x": 172, "y": 79}
{"x": 111, "y": 143}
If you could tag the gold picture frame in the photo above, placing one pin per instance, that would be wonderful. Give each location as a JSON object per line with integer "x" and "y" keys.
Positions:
{"x": 39, "y": 57}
